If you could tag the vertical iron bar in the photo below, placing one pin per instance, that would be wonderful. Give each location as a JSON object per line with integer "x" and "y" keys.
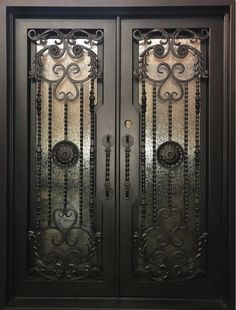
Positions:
{"x": 92, "y": 152}
{"x": 154, "y": 158}
{"x": 49, "y": 153}
{"x": 197, "y": 158}
{"x": 170, "y": 120}
{"x": 38, "y": 155}
{"x": 81, "y": 158}
{"x": 170, "y": 175}
{"x": 143, "y": 154}
{"x": 66, "y": 119}
{"x": 186, "y": 154}
{"x": 65, "y": 172}
{"x": 65, "y": 191}
{"x": 170, "y": 189}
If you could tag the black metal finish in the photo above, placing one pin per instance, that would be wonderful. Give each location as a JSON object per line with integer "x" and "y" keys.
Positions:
{"x": 73, "y": 287}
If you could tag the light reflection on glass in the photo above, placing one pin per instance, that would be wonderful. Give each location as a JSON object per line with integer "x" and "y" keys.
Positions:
{"x": 73, "y": 131}
{"x": 162, "y": 136}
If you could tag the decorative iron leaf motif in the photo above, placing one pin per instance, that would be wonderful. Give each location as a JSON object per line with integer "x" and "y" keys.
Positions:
{"x": 72, "y": 264}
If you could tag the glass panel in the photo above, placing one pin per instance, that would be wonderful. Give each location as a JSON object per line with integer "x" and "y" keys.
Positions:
{"x": 170, "y": 243}
{"x": 64, "y": 239}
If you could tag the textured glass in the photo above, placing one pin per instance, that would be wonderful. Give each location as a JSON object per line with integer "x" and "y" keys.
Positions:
{"x": 162, "y": 129}
{"x": 73, "y": 133}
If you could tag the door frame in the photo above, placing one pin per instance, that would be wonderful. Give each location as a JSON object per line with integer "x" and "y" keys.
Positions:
{"x": 11, "y": 9}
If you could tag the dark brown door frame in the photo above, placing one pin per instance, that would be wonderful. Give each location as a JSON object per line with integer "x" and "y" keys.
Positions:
{"x": 10, "y": 9}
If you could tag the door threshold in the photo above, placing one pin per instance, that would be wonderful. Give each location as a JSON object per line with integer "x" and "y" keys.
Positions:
{"x": 121, "y": 304}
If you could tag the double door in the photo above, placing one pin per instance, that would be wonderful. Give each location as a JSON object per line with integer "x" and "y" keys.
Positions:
{"x": 117, "y": 158}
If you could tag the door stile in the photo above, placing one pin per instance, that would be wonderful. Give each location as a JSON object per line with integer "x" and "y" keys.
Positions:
{"x": 117, "y": 153}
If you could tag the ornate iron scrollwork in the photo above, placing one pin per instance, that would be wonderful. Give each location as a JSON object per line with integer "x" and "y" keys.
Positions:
{"x": 65, "y": 154}
{"x": 65, "y": 43}
{"x": 169, "y": 243}
{"x": 66, "y": 246}
{"x": 170, "y": 154}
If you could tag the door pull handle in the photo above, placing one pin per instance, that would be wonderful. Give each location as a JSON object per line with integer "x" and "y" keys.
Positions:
{"x": 107, "y": 141}
{"x": 127, "y": 142}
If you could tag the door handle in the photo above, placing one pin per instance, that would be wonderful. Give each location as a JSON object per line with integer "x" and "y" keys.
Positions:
{"x": 107, "y": 141}
{"x": 127, "y": 141}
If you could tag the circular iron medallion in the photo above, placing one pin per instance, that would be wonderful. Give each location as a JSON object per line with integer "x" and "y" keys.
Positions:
{"x": 65, "y": 154}
{"x": 170, "y": 154}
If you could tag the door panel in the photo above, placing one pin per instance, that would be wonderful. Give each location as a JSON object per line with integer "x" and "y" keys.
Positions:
{"x": 65, "y": 158}
{"x": 169, "y": 94}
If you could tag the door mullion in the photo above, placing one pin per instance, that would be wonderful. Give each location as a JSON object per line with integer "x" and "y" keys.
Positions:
{"x": 117, "y": 155}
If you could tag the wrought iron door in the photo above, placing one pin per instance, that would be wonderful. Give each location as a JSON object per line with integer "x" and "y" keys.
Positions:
{"x": 115, "y": 156}
{"x": 167, "y": 108}
{"x": 70, "y": 214}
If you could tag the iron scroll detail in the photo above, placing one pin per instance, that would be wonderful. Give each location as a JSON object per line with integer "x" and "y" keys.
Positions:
{"x": 65, "y": 43}
{"x": 169, "y": 241}
{"x": 67, "y": 245}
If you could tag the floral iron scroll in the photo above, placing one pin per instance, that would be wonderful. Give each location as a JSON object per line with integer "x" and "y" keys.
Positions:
{"x": 169, "y": 244}
{"x": 65, "y": 240}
